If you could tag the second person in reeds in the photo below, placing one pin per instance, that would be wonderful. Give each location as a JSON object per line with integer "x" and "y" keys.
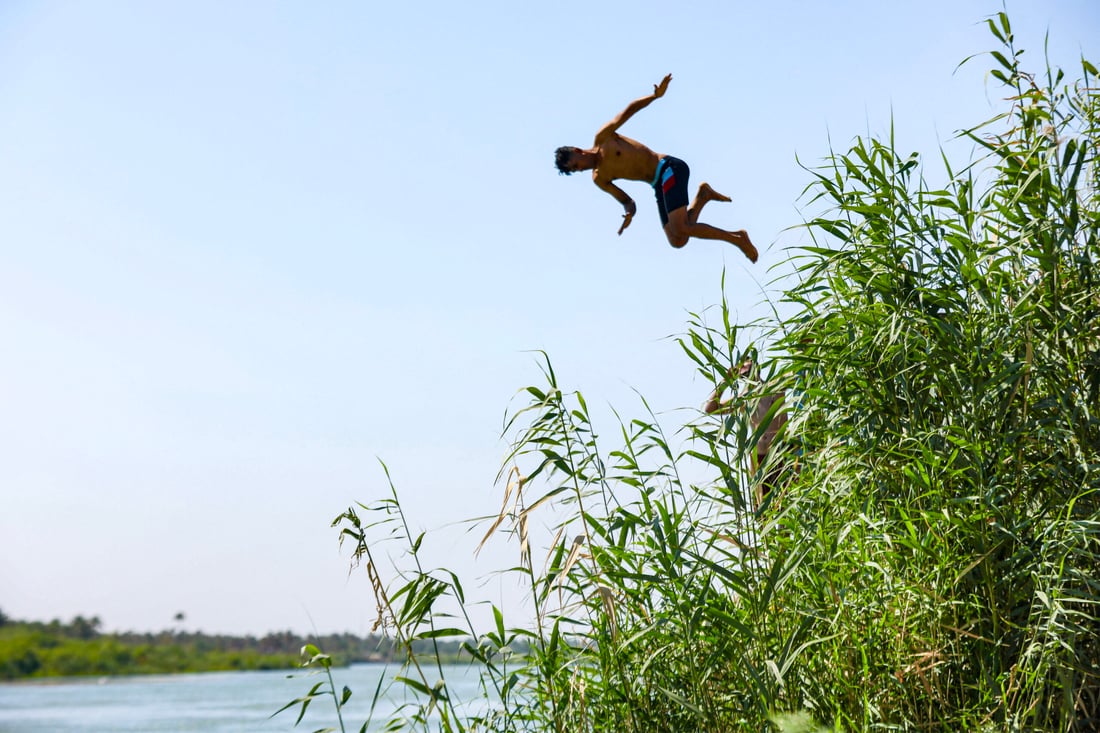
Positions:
{"x": 763, "y": 413}
{"x": 613, "y": 156}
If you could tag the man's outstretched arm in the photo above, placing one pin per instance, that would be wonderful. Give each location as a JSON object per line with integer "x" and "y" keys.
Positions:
{"x": 635, "y": 106}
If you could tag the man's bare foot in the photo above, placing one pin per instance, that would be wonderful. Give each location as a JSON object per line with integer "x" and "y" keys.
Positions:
{"x": 706, "y": 193}
{"x": 741, "y": 239}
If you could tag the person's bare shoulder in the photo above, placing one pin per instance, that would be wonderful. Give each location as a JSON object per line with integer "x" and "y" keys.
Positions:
{"x": 606, "y": 134}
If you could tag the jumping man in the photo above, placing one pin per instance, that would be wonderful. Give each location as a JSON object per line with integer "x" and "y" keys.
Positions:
{"x": 613, "y": 156}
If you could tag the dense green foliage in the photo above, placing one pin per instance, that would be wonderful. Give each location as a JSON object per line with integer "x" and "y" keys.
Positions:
{"x": 34, "y": 649}
{"x": 929, "y": 559}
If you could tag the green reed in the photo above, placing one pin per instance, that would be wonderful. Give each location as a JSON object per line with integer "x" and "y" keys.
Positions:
{"x": 929, "y": 553}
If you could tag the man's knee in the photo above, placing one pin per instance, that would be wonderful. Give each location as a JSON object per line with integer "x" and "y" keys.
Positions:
{"x": 676, "y": 229}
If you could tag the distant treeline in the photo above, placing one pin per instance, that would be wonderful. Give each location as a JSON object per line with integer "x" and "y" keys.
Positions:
{"x": 56, "y": 648}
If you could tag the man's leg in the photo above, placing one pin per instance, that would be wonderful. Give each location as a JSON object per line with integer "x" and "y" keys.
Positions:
{"x": 680, "y": 228}
{"x": 704, "y": 194}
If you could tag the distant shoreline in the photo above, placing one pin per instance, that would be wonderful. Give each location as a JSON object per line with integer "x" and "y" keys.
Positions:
{"x": 36, "y": 651}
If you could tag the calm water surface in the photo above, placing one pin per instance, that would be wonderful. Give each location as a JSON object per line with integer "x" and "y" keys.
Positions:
{"x": 220, "y": 702}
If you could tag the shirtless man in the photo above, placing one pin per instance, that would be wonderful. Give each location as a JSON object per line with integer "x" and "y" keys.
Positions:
{"x": 613, "y": 156}
{"x": 760, "y": 416}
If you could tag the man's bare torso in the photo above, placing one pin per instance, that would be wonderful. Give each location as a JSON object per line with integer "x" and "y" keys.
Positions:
{"x": 621, "y": 157}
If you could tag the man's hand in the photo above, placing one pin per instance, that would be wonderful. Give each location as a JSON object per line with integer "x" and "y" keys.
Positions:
{"x": 631, "y": 209}
{"x": 626, "y": 222}
{"x": 659, "y": 89}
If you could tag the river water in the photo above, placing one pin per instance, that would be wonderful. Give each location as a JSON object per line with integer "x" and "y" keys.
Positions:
{"x": 218, "y": 702}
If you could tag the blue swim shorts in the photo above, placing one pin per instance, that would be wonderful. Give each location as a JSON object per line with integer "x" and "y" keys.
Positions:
{"x": 671, "y": 186}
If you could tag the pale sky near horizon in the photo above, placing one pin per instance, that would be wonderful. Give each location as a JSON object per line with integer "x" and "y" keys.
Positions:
{"x": 248, "y": 250}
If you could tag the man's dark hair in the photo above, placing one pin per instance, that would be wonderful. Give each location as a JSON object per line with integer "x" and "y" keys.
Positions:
{"x": 561, "y": 160}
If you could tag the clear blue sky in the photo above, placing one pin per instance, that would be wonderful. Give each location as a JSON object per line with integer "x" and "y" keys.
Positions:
{"x": 247, "y": 249}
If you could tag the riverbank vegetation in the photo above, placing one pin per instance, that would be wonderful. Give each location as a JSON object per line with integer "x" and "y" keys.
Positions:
{"x": 57, "y": 649}
{"x": 928, "y": 555}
